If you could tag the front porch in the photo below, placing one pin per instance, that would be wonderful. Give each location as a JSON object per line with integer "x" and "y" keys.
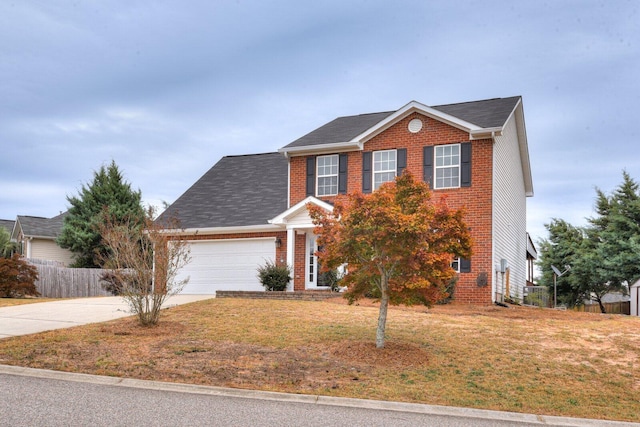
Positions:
{"x": 302, "y": 246}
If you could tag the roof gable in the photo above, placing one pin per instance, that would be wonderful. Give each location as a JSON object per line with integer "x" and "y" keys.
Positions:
{"x": 299, "y": 214}
{"x": 34, "y": 226}
{"x": 479, "y": 118}
{"x": 237, "y": 191}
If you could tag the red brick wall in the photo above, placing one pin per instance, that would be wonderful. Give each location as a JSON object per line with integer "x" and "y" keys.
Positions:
{"x": 300, "y": 261}
{"x": 477, "y": 199}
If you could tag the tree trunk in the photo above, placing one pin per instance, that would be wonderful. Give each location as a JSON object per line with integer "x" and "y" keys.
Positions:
{"x": 602, "y": 309}
{"x": 382, "y": 316}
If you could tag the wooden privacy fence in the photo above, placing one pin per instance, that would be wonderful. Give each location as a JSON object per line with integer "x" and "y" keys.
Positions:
{"x": 57, "y": 281}
{"x": 620, "y": 307}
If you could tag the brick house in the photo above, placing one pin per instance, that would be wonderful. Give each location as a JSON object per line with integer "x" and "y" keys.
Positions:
{"x": 248, "y": 209}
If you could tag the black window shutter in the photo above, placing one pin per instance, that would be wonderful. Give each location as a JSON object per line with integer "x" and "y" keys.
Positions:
{"x": 465, "y": 164}
{"x": 311, "y": 176}
{"x": 465, "y": 265}
{"x": 401, "y": 160}
{"x": 427, "y": 165}
{"x": 342, "y": 174}
{"x": 366, "y": 172}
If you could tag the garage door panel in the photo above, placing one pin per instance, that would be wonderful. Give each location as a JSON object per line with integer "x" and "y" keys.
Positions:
{"x": 226, "y": 265}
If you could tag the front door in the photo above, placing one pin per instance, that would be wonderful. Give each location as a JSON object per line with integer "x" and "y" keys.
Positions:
{"x": 314, "y": 280}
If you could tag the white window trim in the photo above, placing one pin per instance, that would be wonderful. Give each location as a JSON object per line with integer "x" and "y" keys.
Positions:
{"x": 456, "y": 262}
{"x": 318, "y": 176}
{"x": 436, "y": 167}
{"x": 373, "y": 167}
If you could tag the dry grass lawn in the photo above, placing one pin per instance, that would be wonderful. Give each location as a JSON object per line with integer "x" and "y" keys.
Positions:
{"x": 516, "y": 359}
{"x": 7, "y": 302}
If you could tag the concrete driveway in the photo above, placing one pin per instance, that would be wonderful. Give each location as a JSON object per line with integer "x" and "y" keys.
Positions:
{"x": 44, "y": 316}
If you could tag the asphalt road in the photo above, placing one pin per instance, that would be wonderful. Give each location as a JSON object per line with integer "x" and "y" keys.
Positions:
{"x": 45, "y": 398}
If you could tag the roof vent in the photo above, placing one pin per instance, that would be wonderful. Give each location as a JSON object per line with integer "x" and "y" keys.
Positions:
{"x": 415, "y": 125}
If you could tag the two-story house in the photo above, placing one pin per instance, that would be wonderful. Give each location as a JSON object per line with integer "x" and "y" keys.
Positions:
{"x": 249, "y": 209}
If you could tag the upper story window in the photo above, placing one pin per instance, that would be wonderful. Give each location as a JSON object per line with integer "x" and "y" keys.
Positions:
{"x": 327, "y": 175}
{"x": 384, "y": 167}
{"x": 447, "y": 167}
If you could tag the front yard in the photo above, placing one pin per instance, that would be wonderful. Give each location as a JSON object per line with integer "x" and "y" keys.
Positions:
{"x": 516, "y": 359}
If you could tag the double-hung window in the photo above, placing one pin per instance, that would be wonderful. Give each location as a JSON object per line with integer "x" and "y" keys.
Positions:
{"x": 384, "y": 167}
{"x": 447, "y": 159}
{"x": 327, "y": 175}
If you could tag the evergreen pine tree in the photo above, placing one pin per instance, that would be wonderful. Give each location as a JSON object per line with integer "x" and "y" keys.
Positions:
{"x": 108, "y": 194}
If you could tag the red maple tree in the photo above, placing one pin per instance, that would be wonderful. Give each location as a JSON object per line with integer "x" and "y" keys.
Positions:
{"x": 397, "y": 244}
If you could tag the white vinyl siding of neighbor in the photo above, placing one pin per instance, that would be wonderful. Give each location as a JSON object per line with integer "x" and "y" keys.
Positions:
{"x": 46, "y": 249}
{"x": 509, "y": 211}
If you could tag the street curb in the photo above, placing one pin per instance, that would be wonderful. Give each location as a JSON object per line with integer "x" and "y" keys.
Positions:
{"x": 417, "y": 408}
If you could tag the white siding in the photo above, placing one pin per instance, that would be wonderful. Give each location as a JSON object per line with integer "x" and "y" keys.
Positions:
{"x": 48, "y": 250}
{"x": 509, "y": 211}
{"x": 301, "y": 219}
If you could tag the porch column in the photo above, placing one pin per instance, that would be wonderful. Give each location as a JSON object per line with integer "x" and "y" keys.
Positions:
{"x": 291, "y": 244}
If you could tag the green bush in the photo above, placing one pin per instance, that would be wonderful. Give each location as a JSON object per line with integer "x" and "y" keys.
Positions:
{"x": 274, "y": 277}
{"x": 17, "y": 278}
{"x": 331, "y": 279}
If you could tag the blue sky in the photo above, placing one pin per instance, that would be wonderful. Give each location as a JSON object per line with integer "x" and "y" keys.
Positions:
{"x": 166, "y": 88}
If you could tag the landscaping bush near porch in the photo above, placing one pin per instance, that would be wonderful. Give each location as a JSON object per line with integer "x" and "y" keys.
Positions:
{"x": 274, "y": 277}
{"x": 510, "y": 359}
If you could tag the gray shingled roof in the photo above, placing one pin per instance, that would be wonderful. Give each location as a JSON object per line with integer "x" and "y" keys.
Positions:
{"x": 236, "y": 191}
{"x": 341, "y": 129}
{"x": 7, "y": 224}
{"x": 486, "y": 113}
{"x": 41, "y": 227}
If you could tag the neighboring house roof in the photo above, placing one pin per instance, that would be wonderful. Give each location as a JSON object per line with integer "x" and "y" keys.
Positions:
{"x": 237, "y": 191}
{"x": 7, "y": 224}
{"x": 489, "y": 113}
{"x": 34, "y": 226}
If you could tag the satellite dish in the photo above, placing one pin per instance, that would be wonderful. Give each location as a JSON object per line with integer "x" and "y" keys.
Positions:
{"x": 555, "y": 270}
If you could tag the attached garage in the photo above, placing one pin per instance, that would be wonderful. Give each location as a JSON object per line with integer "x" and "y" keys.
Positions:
{"x": 227, "y": 264}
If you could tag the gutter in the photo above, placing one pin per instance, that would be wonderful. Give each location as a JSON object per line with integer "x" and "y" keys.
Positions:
{"x": 485, "y": 133}
{"x": 335, "y": 147}
{"x": 266, "y": 228}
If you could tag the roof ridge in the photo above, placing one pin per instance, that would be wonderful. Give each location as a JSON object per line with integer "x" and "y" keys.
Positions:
{"x": 366, "y": 114}
{"x": 474, "y": 102}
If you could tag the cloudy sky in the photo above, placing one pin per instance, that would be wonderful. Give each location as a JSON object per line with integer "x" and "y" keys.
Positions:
{"x": 166, "y": 88}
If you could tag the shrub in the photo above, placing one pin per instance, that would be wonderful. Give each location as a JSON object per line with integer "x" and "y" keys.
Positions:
{"x": 330, "y": 278}
{"x": 112, "y": 283}
{"x": 17, "y": 278}
{"x": 274, "y": 277}
{"x": 123, "y": 283}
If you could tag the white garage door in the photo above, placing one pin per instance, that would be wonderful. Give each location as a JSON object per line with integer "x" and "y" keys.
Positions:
{"x": 227, "y": 265}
